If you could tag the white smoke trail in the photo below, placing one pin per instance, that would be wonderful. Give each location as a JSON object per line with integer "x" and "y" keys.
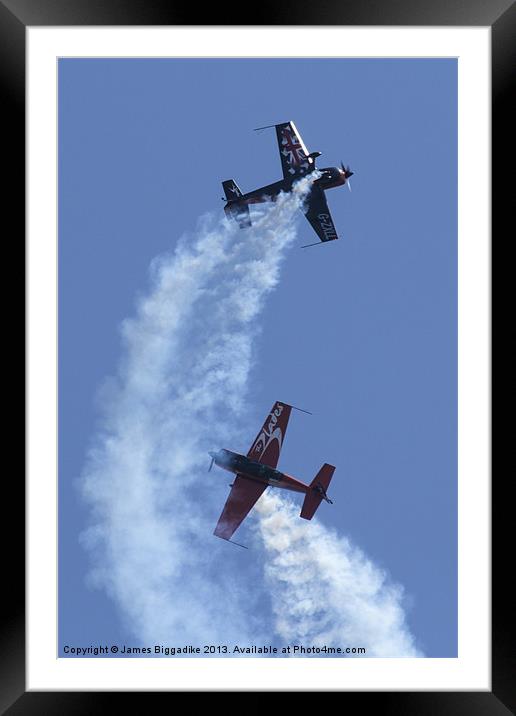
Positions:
{"x": 186, "y": 360}
{"x": 325, "y": 591}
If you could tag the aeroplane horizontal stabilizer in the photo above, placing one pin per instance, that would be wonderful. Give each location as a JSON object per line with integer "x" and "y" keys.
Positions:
{"x": 317, "y": 491}
{"x": 238, "y": 212}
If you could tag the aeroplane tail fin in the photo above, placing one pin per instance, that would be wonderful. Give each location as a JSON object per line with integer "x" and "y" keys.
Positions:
{"x": 231, "y": 189}
{"x": 317, "y": 491}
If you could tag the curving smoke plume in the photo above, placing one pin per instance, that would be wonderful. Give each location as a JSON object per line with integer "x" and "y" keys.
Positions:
{"x": 325, "y": 591}
{"x": 179, "y": 392}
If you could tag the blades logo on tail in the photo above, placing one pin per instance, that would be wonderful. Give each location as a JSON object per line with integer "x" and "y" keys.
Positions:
{"x": 269, "y": 434}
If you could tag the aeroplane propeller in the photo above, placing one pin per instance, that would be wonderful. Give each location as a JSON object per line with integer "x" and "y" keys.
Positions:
{"x": 347, "y": 173}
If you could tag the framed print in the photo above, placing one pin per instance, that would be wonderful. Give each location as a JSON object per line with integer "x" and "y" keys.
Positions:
{"x": 172, "y": 337}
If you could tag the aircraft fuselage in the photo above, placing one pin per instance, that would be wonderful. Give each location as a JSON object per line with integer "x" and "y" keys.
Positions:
{"x": 243, "y": 466}
{"x": 330, "y": 178}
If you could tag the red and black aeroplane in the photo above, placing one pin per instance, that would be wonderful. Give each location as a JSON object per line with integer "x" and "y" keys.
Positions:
{"x": 296, "y": 163}
{"x": 257, "y": 470}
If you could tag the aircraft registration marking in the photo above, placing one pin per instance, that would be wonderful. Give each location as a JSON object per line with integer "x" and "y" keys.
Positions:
{"x": 327, "y": 225}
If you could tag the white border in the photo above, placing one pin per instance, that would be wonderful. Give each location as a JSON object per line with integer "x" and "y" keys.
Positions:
{"x": 471, "y": 671}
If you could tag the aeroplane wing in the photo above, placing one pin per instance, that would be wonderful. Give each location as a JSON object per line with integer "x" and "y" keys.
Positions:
{"x": 293, "y": 153}
{"x": 242, "y": 498}
{"x": 318, "y": 214}
{"x": 267, "y": 446}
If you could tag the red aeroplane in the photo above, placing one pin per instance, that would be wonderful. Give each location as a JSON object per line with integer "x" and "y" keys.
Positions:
{"x": 257, "y": 470}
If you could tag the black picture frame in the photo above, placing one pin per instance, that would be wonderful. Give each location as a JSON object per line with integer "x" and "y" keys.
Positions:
{"x": 15, "y": 17}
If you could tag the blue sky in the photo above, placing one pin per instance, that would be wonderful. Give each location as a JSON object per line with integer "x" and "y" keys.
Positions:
{"x": 362, "y": 331}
